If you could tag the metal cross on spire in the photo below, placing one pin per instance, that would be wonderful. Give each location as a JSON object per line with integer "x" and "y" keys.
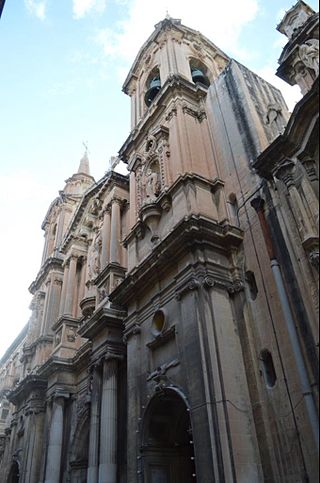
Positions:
{"x": 85, "y": 145}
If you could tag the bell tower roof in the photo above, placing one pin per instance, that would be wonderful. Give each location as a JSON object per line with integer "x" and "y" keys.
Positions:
{"x": 295, "y": 18}
{"x": 155, "y": 40}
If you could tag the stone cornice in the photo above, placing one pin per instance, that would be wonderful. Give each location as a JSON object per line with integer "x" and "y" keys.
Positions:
{"x": 163, "y": 202}
{"x": 56, "y": 202}
{"x": 101, "y": 319}
{"x": 175, "y": 85}
{"x": 110, "y": 268}
{"x": 65, "y": 319}
{"x": 110, "y": 178}
{"x": 52, "y": 263}
{"x": 28, "y": 384}
{"x": 167, "y": 23}
{"x": 292, "y": 47}
{"x": 56, "y": 365}
{"x": 190, "y": 232}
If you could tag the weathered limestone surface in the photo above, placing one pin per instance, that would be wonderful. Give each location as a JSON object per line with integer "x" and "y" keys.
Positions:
{"x": 157, "y": 349}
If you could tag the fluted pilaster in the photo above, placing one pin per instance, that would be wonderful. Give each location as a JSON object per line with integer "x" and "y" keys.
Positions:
{"x": 93, "y": 462}
{"x": 53, "y": 462}
{"x": 106, "y": 231}
{"x": 52, "y": 305}
{"x": 108, "y": 423}
{"x": 286, "y": 173}
{"x": 64, "y": 289}
{"x": 115, "y": 231}
{"x": 70, "y": 286}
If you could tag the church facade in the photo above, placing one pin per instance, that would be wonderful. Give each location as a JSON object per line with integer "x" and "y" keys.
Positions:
{"x": 174, "y": 327}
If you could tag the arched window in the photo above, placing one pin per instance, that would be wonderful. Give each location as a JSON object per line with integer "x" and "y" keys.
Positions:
{"x": 233, "y": 207}
{"x": 268, "y": 369}
{"x": 199, "y": 72}
{"x": 153, "y": 86}
{"x": 252, "y": 284}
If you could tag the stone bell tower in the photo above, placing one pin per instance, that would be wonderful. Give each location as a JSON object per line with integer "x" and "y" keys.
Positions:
{"x": 182, "y": 276}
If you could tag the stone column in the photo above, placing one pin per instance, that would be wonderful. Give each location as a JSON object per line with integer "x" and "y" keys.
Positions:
{"x": 133, "y": 200}
{"x": 45, "y": 248}
{"x": 82, "y": 288}
{"x": 46, "y": 303}
{"x": 115, "y": 231}
{"x": 93, "y": 462}
{"x": 70, "y": 286}
{"x": 133, "y": 108}
{"x": 108, "y": 423}
{"x": 64, "y": 289}
{"x": 52, "y": 306}
{"x": 60, "y": 228}
{"x": 106, "y": 231}
{"x": 53, "y": 463}
{"x": 285, "y": 172}
{"x": 310, "y": 167}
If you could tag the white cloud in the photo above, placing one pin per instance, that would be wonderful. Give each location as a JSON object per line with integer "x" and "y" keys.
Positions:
{"x": 83, "y": 7}
{"x": 37, "y": 8}
{"x": 222, "y": 25}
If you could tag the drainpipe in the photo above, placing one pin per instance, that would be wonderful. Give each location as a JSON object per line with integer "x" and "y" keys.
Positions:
{"x": 258, "y": 205}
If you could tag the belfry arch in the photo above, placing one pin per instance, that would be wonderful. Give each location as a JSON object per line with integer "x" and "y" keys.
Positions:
{"x": 167, "y": 444}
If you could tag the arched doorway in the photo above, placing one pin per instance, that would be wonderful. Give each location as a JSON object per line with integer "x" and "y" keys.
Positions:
{"x": 167, "y": 446}
{"x": 14, "y": 475}
{"x": 79, "y": 456}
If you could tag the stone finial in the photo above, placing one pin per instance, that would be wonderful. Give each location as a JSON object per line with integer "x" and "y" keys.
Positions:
{"x": 295, "y": 18}
{"x": 84, "y": 167}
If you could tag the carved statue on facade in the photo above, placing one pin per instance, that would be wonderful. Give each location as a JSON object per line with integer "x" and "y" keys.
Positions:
{"x": 274, "y": 116}
{"x": 309, "y": 54}
{"x": 94, "y": 254}
{"x": 152, "y": 185}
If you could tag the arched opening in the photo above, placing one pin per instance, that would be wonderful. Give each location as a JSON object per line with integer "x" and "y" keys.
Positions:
{"x": 80, "y": 451}
{"x": 268, "y": 369}
{"x": 153, "y": 86}
{"x": 167, "y": 445}
{"x": 14, "y": 475}
{"x": 199, "y": 72}
{"x": 252, "y": 284}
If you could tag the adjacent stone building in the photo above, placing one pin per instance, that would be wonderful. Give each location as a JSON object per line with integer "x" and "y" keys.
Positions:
{"x": 174, "y": 330}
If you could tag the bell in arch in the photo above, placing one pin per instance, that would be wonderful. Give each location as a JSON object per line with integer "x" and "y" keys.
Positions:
{"x": 199, "y": 76}
{"x": 154, "y": 88}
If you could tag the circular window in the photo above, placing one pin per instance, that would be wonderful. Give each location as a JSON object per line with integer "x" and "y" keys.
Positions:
{"x": 158, "y": 322}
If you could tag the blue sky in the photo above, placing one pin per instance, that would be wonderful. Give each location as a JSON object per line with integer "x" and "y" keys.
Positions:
{"x": 63, "y": 63}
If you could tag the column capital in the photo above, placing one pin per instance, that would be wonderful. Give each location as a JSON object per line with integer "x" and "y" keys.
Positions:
{"x": 285, "y": 172}
{"x": 117, "y": 200}
{"x": 106, "y": 209}
{"x": 58, "y": 281}
{"x": 113, "y": 357}
{"x": 60, "y": 395}
{"x": 258, "y": 204}
{"x": 309, "y": 165}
